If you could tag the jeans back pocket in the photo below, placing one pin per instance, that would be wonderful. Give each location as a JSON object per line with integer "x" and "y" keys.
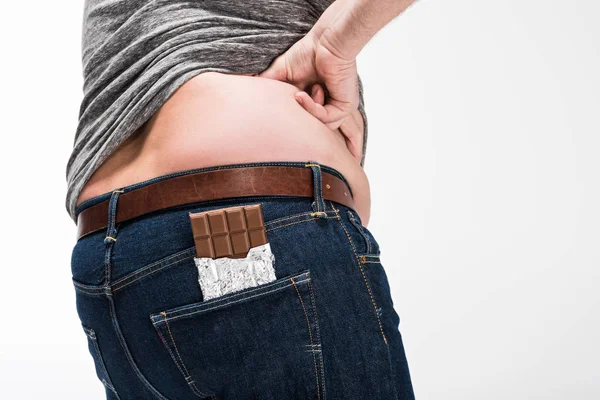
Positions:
{"x": 259, "y": 342}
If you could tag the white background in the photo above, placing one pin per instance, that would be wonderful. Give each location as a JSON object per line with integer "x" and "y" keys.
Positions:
{"x": 483, "y": 160}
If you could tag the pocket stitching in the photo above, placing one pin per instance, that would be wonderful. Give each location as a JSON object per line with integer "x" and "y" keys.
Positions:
{"x": 89, "y": 293}
{"x": 360, "y": 230}
{"x": 297, "y": 222}
{"x": 186, "y": 375}
{"x": 295, "y": 216}
{"x": 304, "y": 276}
{"x": 204, "y": 306}
{"x": 312, "y": 300}
{"x": 87, "y": 287}
{"x": 312, "y": 343}
{"x": 165, "y": 260}
{"x": 137, "y": 274}
{"x": 362, "y": 271}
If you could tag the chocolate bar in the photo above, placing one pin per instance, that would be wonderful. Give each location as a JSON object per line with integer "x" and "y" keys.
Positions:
{"x": 228, "y": 232}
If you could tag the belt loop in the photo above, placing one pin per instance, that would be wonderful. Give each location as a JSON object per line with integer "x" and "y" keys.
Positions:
{"x": 318, "y": 203}
{"x": 111, "y": 233}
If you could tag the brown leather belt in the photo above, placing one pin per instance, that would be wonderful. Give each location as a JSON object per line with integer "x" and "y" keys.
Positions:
{"x": 214, "y": 185}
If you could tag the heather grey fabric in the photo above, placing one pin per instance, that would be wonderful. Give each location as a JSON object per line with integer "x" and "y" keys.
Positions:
{"x": 136, "y": 53}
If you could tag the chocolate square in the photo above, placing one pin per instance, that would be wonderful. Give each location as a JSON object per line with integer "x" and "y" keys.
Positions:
{"x": 240, "y": 243}
{"x": 236, "y": 220}
{"x": 228, "y": 232}
{"x": 218, "y": 224}
{"x": 222, "y": 245}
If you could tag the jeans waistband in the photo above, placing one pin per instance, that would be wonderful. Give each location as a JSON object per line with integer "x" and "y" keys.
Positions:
{"x": 299, "y": 164}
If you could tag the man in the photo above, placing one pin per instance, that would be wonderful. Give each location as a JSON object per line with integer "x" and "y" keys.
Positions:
{"x": 176, "y": 125}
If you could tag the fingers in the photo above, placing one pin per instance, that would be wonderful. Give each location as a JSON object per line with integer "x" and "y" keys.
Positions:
{"x": 353, "y": 134}
{"x": 318, "y": 94}
{"x": 310, "y": 105}
{"x": 326, "y": 113}
{"x": 329, "y": 114}
{"x": 335, "y": 115}
{"x": 278, "y": 69}
{"x": 349, "y": 126}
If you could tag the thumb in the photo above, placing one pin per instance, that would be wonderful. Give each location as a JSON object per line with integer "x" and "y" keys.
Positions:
{"x": 277, "y": 70}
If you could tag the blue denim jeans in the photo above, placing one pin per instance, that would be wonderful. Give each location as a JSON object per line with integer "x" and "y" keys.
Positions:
{"x": 325, "y": 328}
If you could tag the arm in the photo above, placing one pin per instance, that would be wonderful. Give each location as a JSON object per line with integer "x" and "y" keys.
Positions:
{"x": 347, "y": 25}
{"x": 323, "y": 63}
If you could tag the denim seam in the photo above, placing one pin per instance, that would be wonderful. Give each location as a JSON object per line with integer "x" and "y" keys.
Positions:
{"x": 91, "y": 334}
{"x": 189, "y": 253}
{"x": 300, "y": 215}
{"x": 217, "y": 300}
{"x": 376, "y": 309}
{"x": 188, "y": 378}
{"x": 168, "y": 347}
{"x": 89, "y": 293}
{"x": 117, "y": 288}
{"x": 104, "y": 381}
{"x": 187, "y": 373}
{"x": 312, "y": 343}
{"x": 128, "y": 355}
{"x": 109, "y": 386}
{"x": 297, "y": 222}
{"x": 88, "y": 287}
{"x": 259, "y": 294}
{"x": 316, "y": 318}
{"x": 362, "y": 271}
{"x": 192, "y": 384}
{"x": 112, "y": 228}
{"x": 93, "y": 290}
{"x": 304, "y": 214}
{"x": 360, "y": 230}
{"x": 161, "y": 261}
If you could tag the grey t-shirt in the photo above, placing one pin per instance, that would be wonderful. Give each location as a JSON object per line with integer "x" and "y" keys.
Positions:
{"x": 136, "y": 53}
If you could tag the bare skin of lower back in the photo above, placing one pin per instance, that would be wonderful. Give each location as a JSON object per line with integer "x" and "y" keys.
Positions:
{"x": 218, "y": 119}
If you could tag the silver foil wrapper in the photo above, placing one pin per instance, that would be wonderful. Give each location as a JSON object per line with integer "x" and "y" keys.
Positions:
{"x": 221, "y": 276}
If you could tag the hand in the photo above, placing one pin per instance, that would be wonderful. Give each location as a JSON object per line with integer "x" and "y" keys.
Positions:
{"x": 352, "y": 127}
{"x": 313, "y": 64}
